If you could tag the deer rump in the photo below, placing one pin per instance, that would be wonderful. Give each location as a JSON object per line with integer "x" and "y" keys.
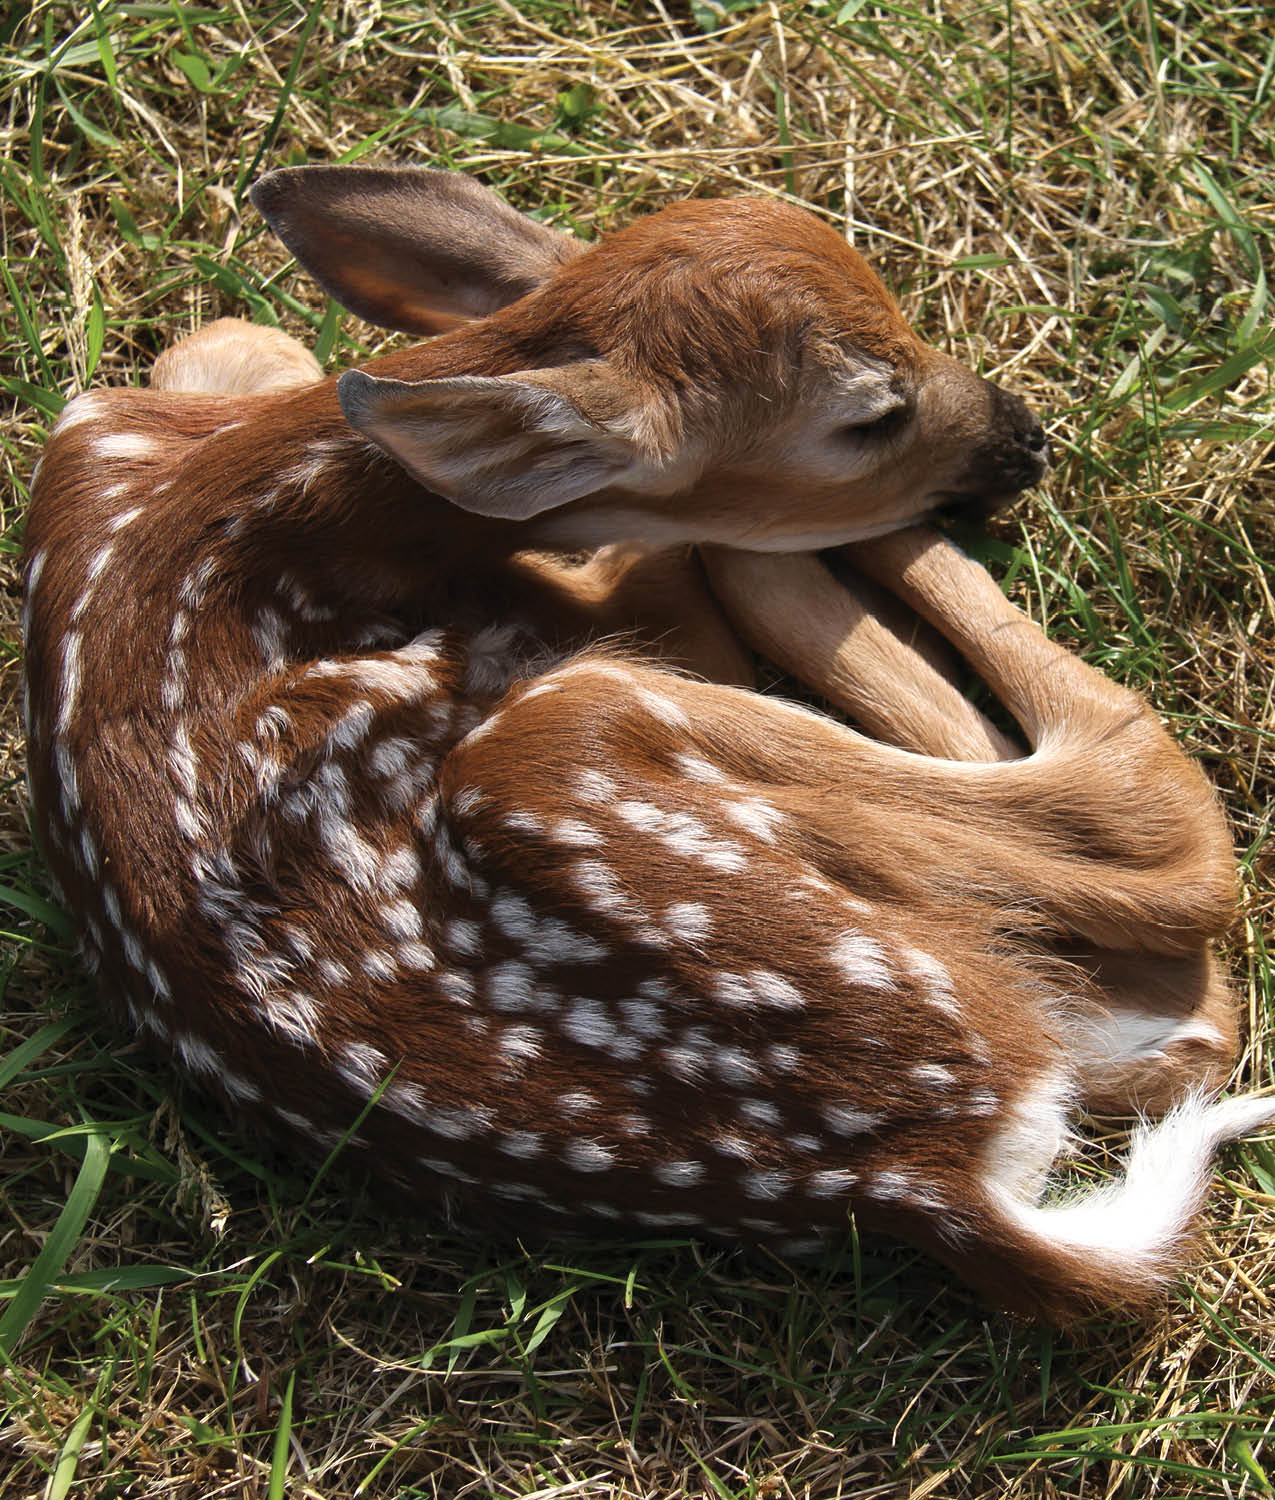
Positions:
{"x": 565, "y": 929}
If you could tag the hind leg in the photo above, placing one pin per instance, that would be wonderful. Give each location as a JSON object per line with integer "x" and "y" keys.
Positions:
{"x": 862, "y": 651}
{"x": 1149, "y": 1029}
{"x": 1143, "y": 1027}
{"x": 232, "y": 358}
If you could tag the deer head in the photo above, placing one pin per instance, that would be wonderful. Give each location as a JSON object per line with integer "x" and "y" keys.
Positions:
{"x": 728, "y": 371}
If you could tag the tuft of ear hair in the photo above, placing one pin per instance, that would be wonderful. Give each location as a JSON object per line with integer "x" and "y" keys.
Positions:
{"x": 508, "y": 446}
{"x": 409, "y": 248}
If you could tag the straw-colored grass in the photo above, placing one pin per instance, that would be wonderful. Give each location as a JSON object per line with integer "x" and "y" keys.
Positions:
{"x": 1080, "y": 199}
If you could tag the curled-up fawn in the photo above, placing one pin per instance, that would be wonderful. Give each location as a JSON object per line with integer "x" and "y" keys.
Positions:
{"x": 350, "y": 805}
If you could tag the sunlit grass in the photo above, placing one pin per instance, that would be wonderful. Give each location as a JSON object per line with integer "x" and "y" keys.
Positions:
{"x": 1076, "y": 198}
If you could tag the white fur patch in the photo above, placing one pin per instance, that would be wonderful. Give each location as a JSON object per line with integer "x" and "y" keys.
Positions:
{"x": 587, "y": 1156}
{"x": 863, "y": 962}
{"x": 1135, "y": 1225}
{"x": 1117, "y": 1037}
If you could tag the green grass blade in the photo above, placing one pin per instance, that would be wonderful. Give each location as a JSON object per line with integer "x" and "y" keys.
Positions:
{"x": 282, "y": 1438}
{"x": 57, "y": 1248}
{"x": 23, "y": 1055}
{"x": 53, "y": 917}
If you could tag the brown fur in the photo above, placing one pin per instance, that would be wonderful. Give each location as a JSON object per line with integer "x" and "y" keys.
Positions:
{"x": 325, "y": 833}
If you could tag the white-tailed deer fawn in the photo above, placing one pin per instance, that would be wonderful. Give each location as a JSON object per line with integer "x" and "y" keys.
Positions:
{"x": 349, "y": 809}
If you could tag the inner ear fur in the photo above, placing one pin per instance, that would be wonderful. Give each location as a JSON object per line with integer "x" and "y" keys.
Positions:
{"x": 508, "y": 446}
{"x": 409, "y": 248}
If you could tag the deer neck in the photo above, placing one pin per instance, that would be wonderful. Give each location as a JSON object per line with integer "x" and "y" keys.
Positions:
{"x": 316, "y": 504}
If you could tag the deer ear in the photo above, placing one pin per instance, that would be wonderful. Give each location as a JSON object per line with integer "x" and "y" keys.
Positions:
{"x": 407, "y": 248}
{"x": 509, "y": 446}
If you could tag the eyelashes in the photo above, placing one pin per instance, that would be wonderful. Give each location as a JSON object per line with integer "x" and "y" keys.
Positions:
{"x": 881, "y": 426}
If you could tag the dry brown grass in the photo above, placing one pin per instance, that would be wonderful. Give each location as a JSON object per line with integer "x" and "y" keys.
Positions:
{"x": 1080, "y": 198}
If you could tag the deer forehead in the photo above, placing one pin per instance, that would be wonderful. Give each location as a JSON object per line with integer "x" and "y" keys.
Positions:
{"x": 712, "y": 290}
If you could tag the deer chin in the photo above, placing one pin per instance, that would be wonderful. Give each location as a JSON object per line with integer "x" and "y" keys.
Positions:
{"x": 587, "y": 526}
{"x": 972, "y": 508}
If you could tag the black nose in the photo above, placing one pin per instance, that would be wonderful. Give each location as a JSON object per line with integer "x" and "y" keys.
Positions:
{"x": 1035, "y": 441}
{"x": 1013, "y": 455}
{"x": 1017, "y": 428}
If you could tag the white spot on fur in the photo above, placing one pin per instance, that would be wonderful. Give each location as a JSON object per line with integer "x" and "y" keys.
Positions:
{"x": 197, "y": 1055}
{"x": 681, "y": 1220}
{"x": 124, "y": 446}
{"x": 934, "y": 980}
{"x": 240, "y": 1090}
{"x": 689, "y": 921}
{"x": 662, "y": 707}
{"x": 34, "y": 569}
{"x": 377, "y": 964}
{"x": 844, "y": 1119}
{"x": 643, "y": 1017}
{"x": 403, "y": 919}
{"x": 683, "y": 834}
{"x": 830, "y": 1184}
{"x": 111, "y": 905}
{"x": 587, "y": 1156}
{"x": 354, "y": 858}
{"x": 730, "y": 1144}
{"x": 333, "y": 972}
{"x": 522, "y": 1144}
{"x": 457, "y": 987}
{"x": 520, "y": 1042}
{"x": 512, "y": 986}
{"x": 194, "y": 586}
{"x": 863, "y": 962}
{"x": 697, "y": 769}
{"x": 587, "y": 1022}
{"x": 125, "y": 518}
{"x": 760, "y": 988}
{"x": 596, "y": 787}
{"x": 70, "y": 680}
{"x": 575, "y": 834}
{"x": 765, "y": 1184}
{"x": 362, "y": 1066}
{"x": 934, "y": 1075}
{"x": 902, "y": 1187}
{"x": 680, "y": 1174}
{"x": 446, "y": 1169}
{"x": 86, "y": 407}
{"x": 460, "y": 1123}
{"x": 416, "y": 955}
{"x": 353, "y": 727}
{"x": 293, "y": 1015}
{"x": 735, "y": 1067}
{"x": 399, "y": 869}
{"x": 462, "y": 937}
{"x": 270, "y": 633}
{"x": 757, "y": 816}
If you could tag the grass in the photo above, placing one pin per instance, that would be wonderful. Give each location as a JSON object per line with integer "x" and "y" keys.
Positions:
{"x": 1078, "y": 198}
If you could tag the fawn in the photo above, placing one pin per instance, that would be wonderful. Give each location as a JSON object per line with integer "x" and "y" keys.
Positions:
{"x": 360, "y": 813}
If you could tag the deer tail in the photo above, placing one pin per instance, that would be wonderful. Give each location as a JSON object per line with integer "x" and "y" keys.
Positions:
{"x": 1114, "y": 1248}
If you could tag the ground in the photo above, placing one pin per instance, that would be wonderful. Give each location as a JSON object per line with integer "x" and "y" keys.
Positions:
{"x": 1078, "y": 198}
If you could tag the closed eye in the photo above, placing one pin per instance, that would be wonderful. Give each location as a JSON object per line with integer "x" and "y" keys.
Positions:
{"x": 880, "y": 426}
